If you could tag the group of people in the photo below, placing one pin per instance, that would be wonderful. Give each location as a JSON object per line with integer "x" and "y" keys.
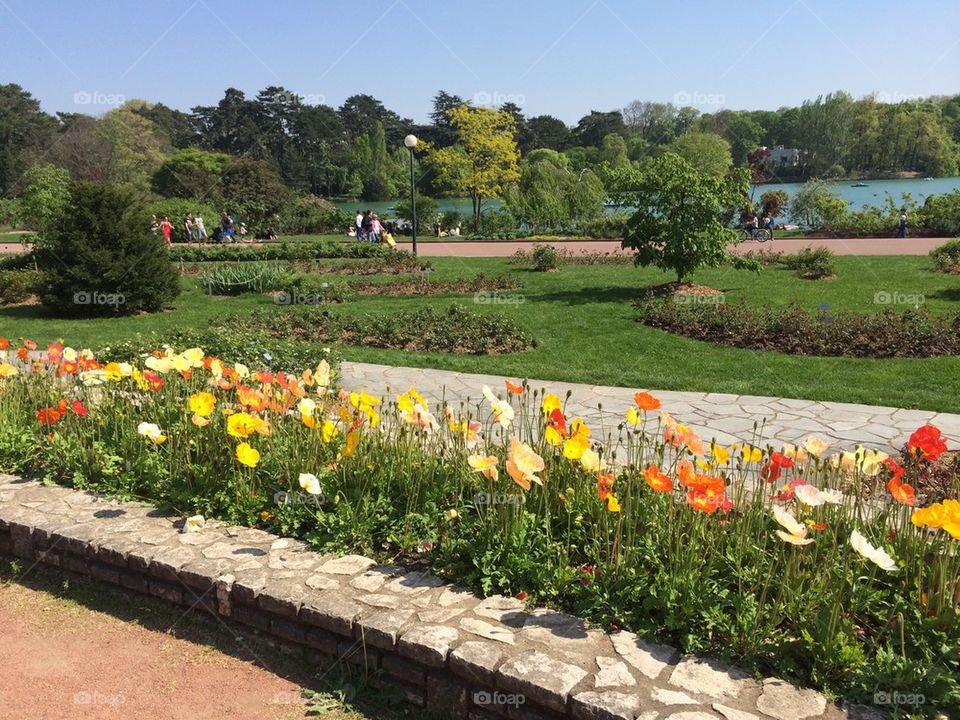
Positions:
{"x": 194, "y": 229}
{"x": 752, "y": 222}
{"x": 368, "y": 228}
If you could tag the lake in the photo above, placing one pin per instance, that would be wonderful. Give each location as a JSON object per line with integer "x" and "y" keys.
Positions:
{"x": 874, "y": 193}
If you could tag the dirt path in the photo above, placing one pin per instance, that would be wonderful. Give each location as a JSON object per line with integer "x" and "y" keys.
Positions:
{"x": 85, "y": 650}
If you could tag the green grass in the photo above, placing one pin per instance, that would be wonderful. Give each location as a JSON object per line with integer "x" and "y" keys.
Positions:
{"x": 583, "y": 319}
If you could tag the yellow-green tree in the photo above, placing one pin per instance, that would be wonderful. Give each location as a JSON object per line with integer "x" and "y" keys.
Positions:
{"x": 484, "y": 160}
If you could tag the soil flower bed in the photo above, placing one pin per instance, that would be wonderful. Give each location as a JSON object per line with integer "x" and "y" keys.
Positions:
{"x": 797, "y": 331}
{"x": 767, "y": 556}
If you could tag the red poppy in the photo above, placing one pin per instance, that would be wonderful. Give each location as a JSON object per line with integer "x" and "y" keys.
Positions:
{"x": 156, "y": 382}
{"x": 928, "y": 442}
{"x": 558, "y": 422}
{"x": 604, "y": 483}
{"x": 23, "y": 354}
{"x": 48, "y": 416}
{"x": 79, "y": 409}
{"x": 4, "y": 343}
{"x": 896, "y": 472}
{"x": 788, "y": 492}
{"x": 772, "y": 470}
{"x": 54, "y": 350}
{"x": 515, "y": 389}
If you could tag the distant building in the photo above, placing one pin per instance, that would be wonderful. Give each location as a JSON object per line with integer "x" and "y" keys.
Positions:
{"x": 781, "y": 156}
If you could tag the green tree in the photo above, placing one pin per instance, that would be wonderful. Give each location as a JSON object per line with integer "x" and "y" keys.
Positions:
{"x": 613, "y": 151}
{"x": 546, "y": 131}
{"x": 137, "y": 148}
{"x": 45, "y": 197}
{"x": 678, "y": 224}
{"x": 25, "y": 130}
{"x": 191, "y": 173}
{"x": 99, "y": 260}
{"x": 551, "y": 196}
{"x": 816, "y": 206}
{"x": 374, "y": 165}
{"x": 485, "y": 159}
{"x": 707, "y": 152}
{"x": 253, "y": 190}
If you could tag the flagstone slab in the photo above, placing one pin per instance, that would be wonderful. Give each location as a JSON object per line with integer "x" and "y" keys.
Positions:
{"x": 443, "y": 646}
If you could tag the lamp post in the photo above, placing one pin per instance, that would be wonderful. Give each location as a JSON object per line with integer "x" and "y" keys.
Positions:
{"x": 411, "y": 142}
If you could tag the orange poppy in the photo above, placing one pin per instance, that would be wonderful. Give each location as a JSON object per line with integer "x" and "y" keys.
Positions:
{"x": 4, "y": 343}
{"x": 604, "y": 483}
{"x": 515, "y": 389}
{"x": 645, "y": 401}
{"x": 658, "y": 480}
{"x": 48, "y": 416}
{"x": 901, "y": 492}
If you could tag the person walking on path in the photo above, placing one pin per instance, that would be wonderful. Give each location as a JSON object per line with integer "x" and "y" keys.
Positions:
{"x": 376, "y": 229}
{"x": 902, "y": 230}
{"x": 199, "y": 230}
{"x": 166, "y": 227}
{"x": 188, "y": 227}
{"x": 227, "y": 222}
{"x": 358, "y": 225}
{"x": 367, "y": 224}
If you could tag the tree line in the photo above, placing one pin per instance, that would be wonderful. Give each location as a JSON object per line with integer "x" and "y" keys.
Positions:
{"x": 274, "y": 142}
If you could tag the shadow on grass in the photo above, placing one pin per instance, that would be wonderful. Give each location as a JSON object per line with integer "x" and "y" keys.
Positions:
{"x": 337, "y": 683}
{"x": 950, "y": 294}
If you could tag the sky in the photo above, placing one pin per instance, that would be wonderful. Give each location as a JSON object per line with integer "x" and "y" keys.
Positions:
{"x": 557, "y": 57}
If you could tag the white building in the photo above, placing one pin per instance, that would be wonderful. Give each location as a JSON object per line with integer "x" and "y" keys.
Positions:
{"x": 781, "y": 156}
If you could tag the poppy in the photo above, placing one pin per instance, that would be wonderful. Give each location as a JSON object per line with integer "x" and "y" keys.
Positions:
{"x": 927, "y": 442}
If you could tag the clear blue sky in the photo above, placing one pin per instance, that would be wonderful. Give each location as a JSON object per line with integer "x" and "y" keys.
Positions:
{"x": 563, "y": 57}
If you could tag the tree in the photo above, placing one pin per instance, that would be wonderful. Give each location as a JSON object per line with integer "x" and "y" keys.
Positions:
{"x": 678, "y": 224}
{"x": 100, "y": 260}
{"x": 737, "y": 128}
{"x": 595, "y": 126}
{"x": 191, "y": 173}
{"x": 24, "y": 131}
{"x": 613, "y": 151}
{"x": 707, "y": 152}
{"x": 136, "y": 148}
{"x": 45, "y": 197}
{"x": 176, "y": 127}
{"x": 816, "y": 206}
{"x": 551, "y": 196}
{"x": 484, "y": 160}
{"x": 230, "y": 126}
{"x": 546, "y": 131}
{"x": 359, "y": 113}
{"x": 83, "y": 151}
{"x": 254, "y": 190}
{"x": 443, "y": 133}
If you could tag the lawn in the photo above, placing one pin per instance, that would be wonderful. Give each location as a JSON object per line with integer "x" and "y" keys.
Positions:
{"x": 584, "y": 322}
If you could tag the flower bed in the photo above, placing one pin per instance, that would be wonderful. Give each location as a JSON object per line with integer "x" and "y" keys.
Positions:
{"x": 797, "y": 331}
{"x": 453, "y": 330}
{"x": 424, "y": 286}
{"x": 565, "y": 256}
{"x": 276, "y": 251}
{"x": 767, "y": 556}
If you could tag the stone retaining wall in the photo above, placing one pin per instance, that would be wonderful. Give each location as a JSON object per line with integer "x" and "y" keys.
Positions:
{"x": 445, "y": 648}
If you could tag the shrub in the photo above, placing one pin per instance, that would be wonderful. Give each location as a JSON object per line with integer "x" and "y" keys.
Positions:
{"x": 311, "y": 289}
{"x": 9, "y": 212}
{"x": 811, "y": 263}
{"x": 426, "y": 213}
{"x": 97, "y": 263}
{"x": 248, "y": 278}
{"x": 940, "y": 214}
{"x": 581, "y": 257}
{"x": 497, "y": 222}
{"x": 454, "y": 329}
{"x": 305, "y": 250}
{"x": 312, "y": 214}
{"x": 545, "y": 257}
{"x": 608, "y": 226}
{"x": 797, "y": 331}
{"x": 17, "y": 285}
{"x": 946, "y": 258}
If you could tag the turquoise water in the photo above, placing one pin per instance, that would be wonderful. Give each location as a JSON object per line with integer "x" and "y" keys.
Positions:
{"x": 873, "y": 194}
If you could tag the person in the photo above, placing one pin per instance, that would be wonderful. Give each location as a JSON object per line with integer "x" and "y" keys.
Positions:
{"x": 166, "y": 227}
{"x": 768, "y": 223}
{"x": 200, "y": 231}
{"x": 188, "y": 227}
{"x": 243, "y": 232}
{"x": 376, "y": 229}
{"x": 902, "y": 230}
{"x": 366, "y": 224}
{"x": 358, "y": 225}
{"x": 227, "y": 223}
{"x": 437, "y": 227}
{"x": 154, "y": 225}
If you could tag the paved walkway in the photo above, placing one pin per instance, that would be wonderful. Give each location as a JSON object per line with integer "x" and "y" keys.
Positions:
{"x": 727, "y": 418}
{"x": 504, "y": 248}
{"x": 851, "y": 246}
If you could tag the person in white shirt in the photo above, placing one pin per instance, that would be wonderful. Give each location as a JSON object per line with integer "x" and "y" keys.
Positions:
{"x": 199, "y": 230}
{"x": 359, "y": 225}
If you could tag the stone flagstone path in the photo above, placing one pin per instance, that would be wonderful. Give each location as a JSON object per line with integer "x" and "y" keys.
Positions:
{"x": 725, "y": 417}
